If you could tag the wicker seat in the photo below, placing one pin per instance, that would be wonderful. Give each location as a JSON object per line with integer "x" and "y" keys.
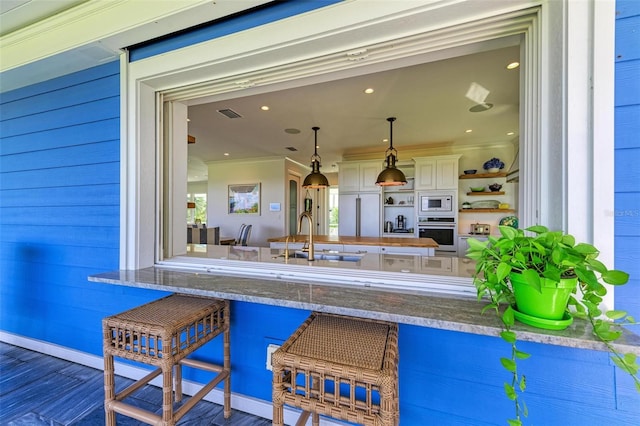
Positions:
{"x": 342, "y": 367}
{"x": 163, "y": 333}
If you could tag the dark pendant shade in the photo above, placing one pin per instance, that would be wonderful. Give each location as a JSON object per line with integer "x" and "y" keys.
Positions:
{"x": 391, "y": 176}
{"x": 315, "y": 179}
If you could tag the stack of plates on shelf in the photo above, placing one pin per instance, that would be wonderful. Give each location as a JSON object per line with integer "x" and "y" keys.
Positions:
{"x": 485, "y": 204}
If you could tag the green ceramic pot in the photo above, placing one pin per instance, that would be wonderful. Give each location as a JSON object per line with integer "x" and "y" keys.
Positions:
{"x": 548, "y": 303}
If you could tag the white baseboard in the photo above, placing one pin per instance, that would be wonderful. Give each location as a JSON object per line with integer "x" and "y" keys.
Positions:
{"x": 246, "y": 404}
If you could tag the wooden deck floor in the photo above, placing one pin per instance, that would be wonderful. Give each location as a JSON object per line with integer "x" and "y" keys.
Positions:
{"x": 37, "y": 389}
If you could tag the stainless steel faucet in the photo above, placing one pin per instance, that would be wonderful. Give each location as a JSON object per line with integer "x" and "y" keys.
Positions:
{"x": 286, "y": 248}
{"x": 308, "y": 216}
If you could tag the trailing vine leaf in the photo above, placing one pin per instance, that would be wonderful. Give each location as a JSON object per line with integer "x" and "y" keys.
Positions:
{"x": 510, "y": 391}
{"x": 615, "y": 277}
{"x": 508, "y": 336}
{"x": 614, "y": 315}
{"x": 508, "y": 364}
{"x": 508, "y": 318}
{"x": 489, "y": 306}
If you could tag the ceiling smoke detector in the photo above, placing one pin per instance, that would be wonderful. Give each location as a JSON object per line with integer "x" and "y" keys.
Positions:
{"x": 229, "y": 113}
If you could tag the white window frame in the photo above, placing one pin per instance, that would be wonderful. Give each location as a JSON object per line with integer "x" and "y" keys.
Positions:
{"x": 560, "y": 138}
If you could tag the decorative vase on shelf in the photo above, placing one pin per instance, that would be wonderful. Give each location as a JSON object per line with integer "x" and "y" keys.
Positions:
{"x": 494, "y": 165}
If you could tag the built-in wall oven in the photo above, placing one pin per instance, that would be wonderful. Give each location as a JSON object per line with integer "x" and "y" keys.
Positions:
{"x": 442, "y": 229}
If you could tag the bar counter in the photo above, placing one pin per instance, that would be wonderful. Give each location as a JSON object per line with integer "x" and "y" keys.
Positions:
{"x": 421, "y": 308}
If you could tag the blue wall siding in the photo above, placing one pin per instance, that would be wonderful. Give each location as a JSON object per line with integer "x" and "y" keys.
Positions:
{"x": 59, "y": 207}
{"x": 59, "y": 223}
{"x": 627, "y": 153}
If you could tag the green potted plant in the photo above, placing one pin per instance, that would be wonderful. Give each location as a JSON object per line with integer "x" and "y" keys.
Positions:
{"x": 535, "y": 276}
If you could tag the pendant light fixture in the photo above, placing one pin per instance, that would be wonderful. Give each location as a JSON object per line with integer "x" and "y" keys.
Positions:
{"x": 315, "y": 179}
{"x": 391, "y": 176}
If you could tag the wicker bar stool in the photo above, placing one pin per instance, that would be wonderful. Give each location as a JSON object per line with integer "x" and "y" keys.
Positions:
{"x": 163, "y": 333}
{"x": 342, "y": 367}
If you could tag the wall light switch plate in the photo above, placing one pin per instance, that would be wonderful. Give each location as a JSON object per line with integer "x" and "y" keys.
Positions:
{"x": 270, "y": 350}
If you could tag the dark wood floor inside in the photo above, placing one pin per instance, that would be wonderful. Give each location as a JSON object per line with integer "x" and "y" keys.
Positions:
{"x": 37, "y": 389}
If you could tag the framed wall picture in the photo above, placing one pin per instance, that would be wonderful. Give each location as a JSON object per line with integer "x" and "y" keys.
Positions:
{"x": 244, "y": 198}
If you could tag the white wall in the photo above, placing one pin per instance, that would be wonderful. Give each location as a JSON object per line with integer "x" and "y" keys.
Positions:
{"x": 197, "y": 187}
{"x": 271, "y": 175}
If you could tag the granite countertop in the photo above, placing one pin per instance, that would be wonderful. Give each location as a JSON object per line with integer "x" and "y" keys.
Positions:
{"x": 365, "y": 241}
{"x": 421, "y": 308}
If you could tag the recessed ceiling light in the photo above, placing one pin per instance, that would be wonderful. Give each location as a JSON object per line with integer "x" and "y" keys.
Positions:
{"x": 292, "y": 131}
{"x": 481, "y": 107}
{"x": 264, "y": 107}
{"x": 368, "y": 90}
{"x": 385, "y": 140}
{"x": 468, "y": 131}
{"x": 510, "y": 133}
{"x": 226, "y": 154}
{"x": 513, "y": 65}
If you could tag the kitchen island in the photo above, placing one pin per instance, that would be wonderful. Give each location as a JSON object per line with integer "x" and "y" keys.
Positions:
{"x": 390, "y": 245}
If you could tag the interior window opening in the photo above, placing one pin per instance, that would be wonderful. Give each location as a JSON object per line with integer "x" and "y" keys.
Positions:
{"x": 333, "y": 211}
{"x": 197, "y": 209}
{"x": 234, "y": 128}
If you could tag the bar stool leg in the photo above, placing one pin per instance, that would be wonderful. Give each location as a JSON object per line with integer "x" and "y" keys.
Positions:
{"x": 177, "y": 380}
{"x": 227, "y": 360}
{"x": 167, "y": 395}
{"x": 277, "y": 397}
{"x": 109, "y": 390}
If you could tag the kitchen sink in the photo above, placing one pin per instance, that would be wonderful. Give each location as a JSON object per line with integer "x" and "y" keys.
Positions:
{"x": 336, "y": 256}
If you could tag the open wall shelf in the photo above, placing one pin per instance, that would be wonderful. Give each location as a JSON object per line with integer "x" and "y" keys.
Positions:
{"x": 483, "y": 175}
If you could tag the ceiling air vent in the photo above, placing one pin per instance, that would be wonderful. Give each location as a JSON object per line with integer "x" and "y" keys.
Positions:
{"x": 291, "y": 148}
{"x": 229, "y": 113}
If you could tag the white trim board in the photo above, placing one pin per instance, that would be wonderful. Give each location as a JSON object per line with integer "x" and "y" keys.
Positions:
{"x": 239, "y": 402}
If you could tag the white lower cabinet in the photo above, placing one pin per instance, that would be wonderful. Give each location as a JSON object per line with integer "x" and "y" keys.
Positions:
{"x": 355, "y": 248}
{"x": 282, "y": 246}
{"x": 359, "y": 248}
{"x": 316, "y": 246}
{"x": 412, "y": 251}
{"x": 328, "y": 247}
{"x": 463, "y": 243}
{"x": 439, "y": 265}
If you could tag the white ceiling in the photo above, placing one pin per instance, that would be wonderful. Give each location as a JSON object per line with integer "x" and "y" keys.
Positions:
{"x": 428, "y": 100}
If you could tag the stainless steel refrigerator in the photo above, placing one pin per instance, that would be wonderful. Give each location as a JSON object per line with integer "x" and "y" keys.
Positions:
{"x": 359, "y": 215}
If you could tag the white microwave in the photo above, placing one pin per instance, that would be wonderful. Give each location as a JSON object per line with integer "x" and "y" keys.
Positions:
{"x": 435, "y": 203}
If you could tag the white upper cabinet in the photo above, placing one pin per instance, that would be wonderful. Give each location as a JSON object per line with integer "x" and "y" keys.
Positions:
{"x": 439, "y": 172}
{"x": 359, "y": 176}
{"x": 425, "y": 174}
